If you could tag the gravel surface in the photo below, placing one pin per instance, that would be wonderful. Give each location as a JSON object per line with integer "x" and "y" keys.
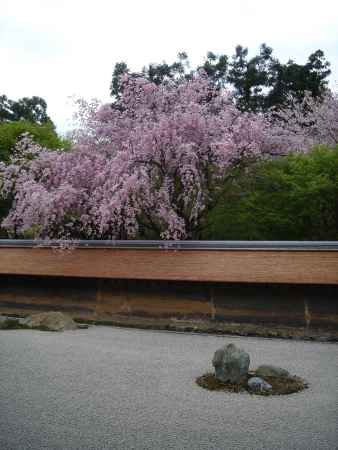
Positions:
{"x": 114, "y": 388}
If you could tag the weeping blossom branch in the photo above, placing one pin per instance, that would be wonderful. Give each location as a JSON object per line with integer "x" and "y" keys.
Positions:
{"x": 151, "y": 161}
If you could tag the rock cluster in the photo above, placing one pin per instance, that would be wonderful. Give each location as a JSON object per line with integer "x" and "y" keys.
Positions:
{"x": 232, "y": 366}
{"x": 48, "y": 321}
{"x": 52, "y": 321}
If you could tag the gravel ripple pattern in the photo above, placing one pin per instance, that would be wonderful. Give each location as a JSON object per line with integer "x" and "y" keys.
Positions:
{"x": 115, "y": 388}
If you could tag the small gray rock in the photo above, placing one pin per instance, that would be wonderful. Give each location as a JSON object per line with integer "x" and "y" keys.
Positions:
{"x": 257, "y": 384}
{"x": 231, "y": 364}
{"x": 3, "y": 320}
{"x": 271, "y": 371}
{"x": 8, "y": 322}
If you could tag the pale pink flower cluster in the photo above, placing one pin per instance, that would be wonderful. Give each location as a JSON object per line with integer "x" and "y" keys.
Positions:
{"x": 307, "y": 123}
{"x": 153, "y": 161}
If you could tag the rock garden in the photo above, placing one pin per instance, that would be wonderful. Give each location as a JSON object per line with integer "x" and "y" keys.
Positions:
{"x": 231, "y": 364}
{"x": 232, "y": 374}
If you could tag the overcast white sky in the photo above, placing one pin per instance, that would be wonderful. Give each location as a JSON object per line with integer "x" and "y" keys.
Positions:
{"x": 59, "y": 48}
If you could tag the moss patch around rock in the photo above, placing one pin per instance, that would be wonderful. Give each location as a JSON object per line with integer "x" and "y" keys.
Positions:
{"x": 280, "y": 386}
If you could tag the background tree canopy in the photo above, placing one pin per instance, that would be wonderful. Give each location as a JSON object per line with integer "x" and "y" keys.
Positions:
{"x": 259, "y": 82}
{"x": 174, "y": 158}
{"x": 181, "y": 161}
{"x": 32, "y": 109}
{"x": 292, "y": 198}
{"x": 45, "y": 135}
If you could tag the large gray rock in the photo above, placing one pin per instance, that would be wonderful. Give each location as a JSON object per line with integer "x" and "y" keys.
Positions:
{"x": 50, "y": 321}
{"x": 257, "y": 384}
{"x": 271, "y": 371}
{"x": 231, "y": 364}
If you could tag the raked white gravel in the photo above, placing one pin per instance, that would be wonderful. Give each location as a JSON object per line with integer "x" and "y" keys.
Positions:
{"x": 114, "y": 388}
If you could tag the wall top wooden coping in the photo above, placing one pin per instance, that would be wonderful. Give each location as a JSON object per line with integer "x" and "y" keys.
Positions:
{"x": 245, "y": 266}
{"x": 178, "y": 245}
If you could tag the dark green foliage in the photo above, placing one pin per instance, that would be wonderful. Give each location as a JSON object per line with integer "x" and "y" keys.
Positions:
{"x": 252, "y": 78}
{"x": 5, "y": 206}
{"x": 5, "y": 109}
{"x": 32, "y": 109}
{"x": 259, "y": 83}
{"x": 44, "y": 135}
{"x": 120, "y": 69}
{"x": 294, "y": 79}
{"x": 293, "y": 198}
{"x": 216, "y": 67}
{"x": 157, "y": 73}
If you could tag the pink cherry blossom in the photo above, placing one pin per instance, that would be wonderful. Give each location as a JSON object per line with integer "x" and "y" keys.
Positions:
{"x": 151, "y": 164}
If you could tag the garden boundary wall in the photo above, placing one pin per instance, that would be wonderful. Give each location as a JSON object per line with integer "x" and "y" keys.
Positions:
{"x": 154, "y": 282}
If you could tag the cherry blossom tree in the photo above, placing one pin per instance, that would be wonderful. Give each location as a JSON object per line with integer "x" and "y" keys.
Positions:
{"x": 152, "y": 164}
